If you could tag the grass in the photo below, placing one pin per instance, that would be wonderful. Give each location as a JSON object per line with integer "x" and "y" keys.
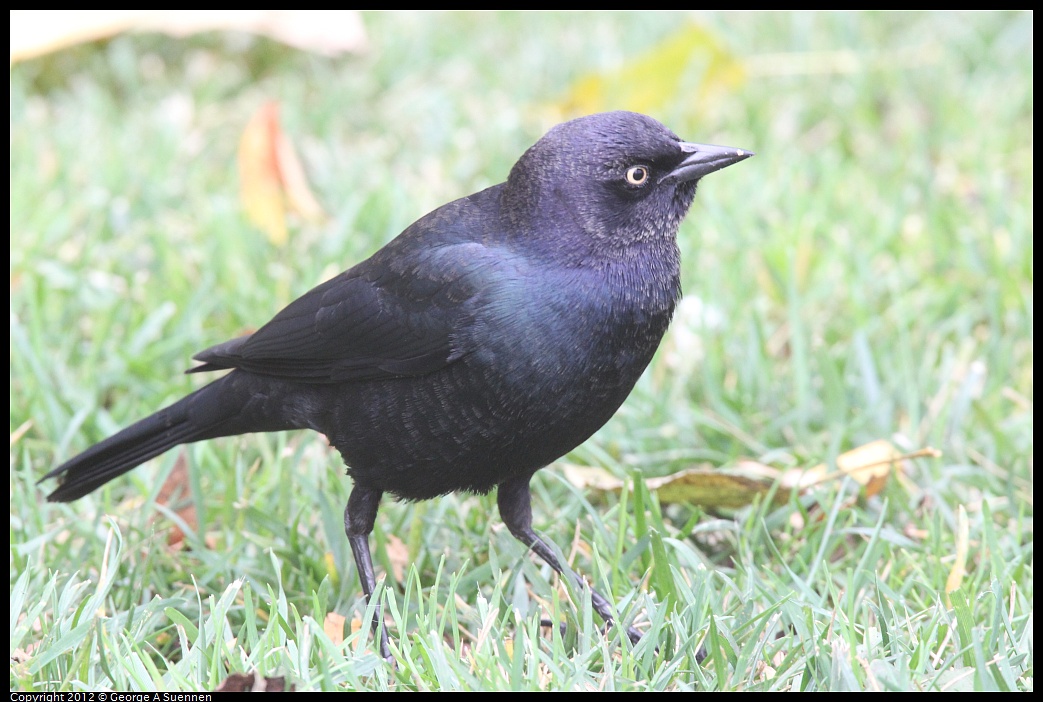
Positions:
{"x": 868, "y": 275}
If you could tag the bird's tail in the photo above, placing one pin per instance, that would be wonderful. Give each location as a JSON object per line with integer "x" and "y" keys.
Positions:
{"x": 204, "y": 414}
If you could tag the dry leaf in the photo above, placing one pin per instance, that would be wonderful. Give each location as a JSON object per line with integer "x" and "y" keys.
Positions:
{"x": 590, "y": 477}
{"x": 712, "y": 488}
{"x": 18, "y": 433}
{"x": 693, "y": 61}
{"x": 959, "y": 566}
{"x": 260, "y": 186}
{"x": 870, "y": 465}
{"x": 398, "y": 554}
{"x": 271, "y": 177}
{"x": 330, "y": 32}
{"x": 295, "y": 182}
{"x": 176, "y": 491}
{"x": 333, "y": 625}
{"x": 250, "y": 682}
{"x": 331, "y": 568}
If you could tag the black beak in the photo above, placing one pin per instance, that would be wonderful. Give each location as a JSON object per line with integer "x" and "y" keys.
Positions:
{"x": 704, "y": 159}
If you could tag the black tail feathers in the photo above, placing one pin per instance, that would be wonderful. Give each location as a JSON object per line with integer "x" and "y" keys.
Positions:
{"x": 177, "y": 424}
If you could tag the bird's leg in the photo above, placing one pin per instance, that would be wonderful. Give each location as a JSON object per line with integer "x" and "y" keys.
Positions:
{"x": 515, "y": 505}
{"x": 359, "y": 517}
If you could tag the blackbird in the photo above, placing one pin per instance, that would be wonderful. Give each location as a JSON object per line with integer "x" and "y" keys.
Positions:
{"x": 490, "y": 338}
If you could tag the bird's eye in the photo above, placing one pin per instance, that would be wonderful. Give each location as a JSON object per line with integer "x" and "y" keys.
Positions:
{"x": 637, "y": 175}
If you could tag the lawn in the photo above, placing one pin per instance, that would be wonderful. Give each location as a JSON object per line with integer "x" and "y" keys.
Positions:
{"x": 866, "y": 276}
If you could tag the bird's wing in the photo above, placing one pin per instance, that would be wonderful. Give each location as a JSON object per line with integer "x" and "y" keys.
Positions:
{"x": 398, "y": 314}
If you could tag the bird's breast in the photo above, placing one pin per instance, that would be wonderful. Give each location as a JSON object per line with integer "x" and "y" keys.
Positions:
{"x": 585, "y": 334}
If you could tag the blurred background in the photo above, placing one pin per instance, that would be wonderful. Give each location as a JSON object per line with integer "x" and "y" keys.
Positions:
{"x": 177, "y": 179}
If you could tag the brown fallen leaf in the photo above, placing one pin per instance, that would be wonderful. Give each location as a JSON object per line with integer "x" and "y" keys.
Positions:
{"x": 398, "y": 554}
{"x": 260, "y": 187}
{"x": 869, "y": 465}
{"x": 333, "y": 625}
{"x": 176, "y": 494}
{"x": 250, "y": 682}
{"x": 271, "y": 177}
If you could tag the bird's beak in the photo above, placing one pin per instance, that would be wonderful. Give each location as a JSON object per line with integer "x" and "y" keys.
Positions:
{"x": 703, "y": 160}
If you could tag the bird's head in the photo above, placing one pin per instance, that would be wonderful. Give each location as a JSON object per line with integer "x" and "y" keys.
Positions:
{"x": 614, "y": 178}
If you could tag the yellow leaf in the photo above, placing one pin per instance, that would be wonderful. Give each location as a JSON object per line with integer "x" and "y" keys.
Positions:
{"x": 271, "y": 177}
{"x": 261, "y": 189}
{"x": 689, "y": 64}
{"x": 959, "y": 566}
{"x": 294, "y": 181}
{"x": 331, "y": 568}
{"x": 870, "y": 465}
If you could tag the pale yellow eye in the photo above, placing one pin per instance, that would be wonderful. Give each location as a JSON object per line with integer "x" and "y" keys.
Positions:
{"x": 637, "y": 175}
